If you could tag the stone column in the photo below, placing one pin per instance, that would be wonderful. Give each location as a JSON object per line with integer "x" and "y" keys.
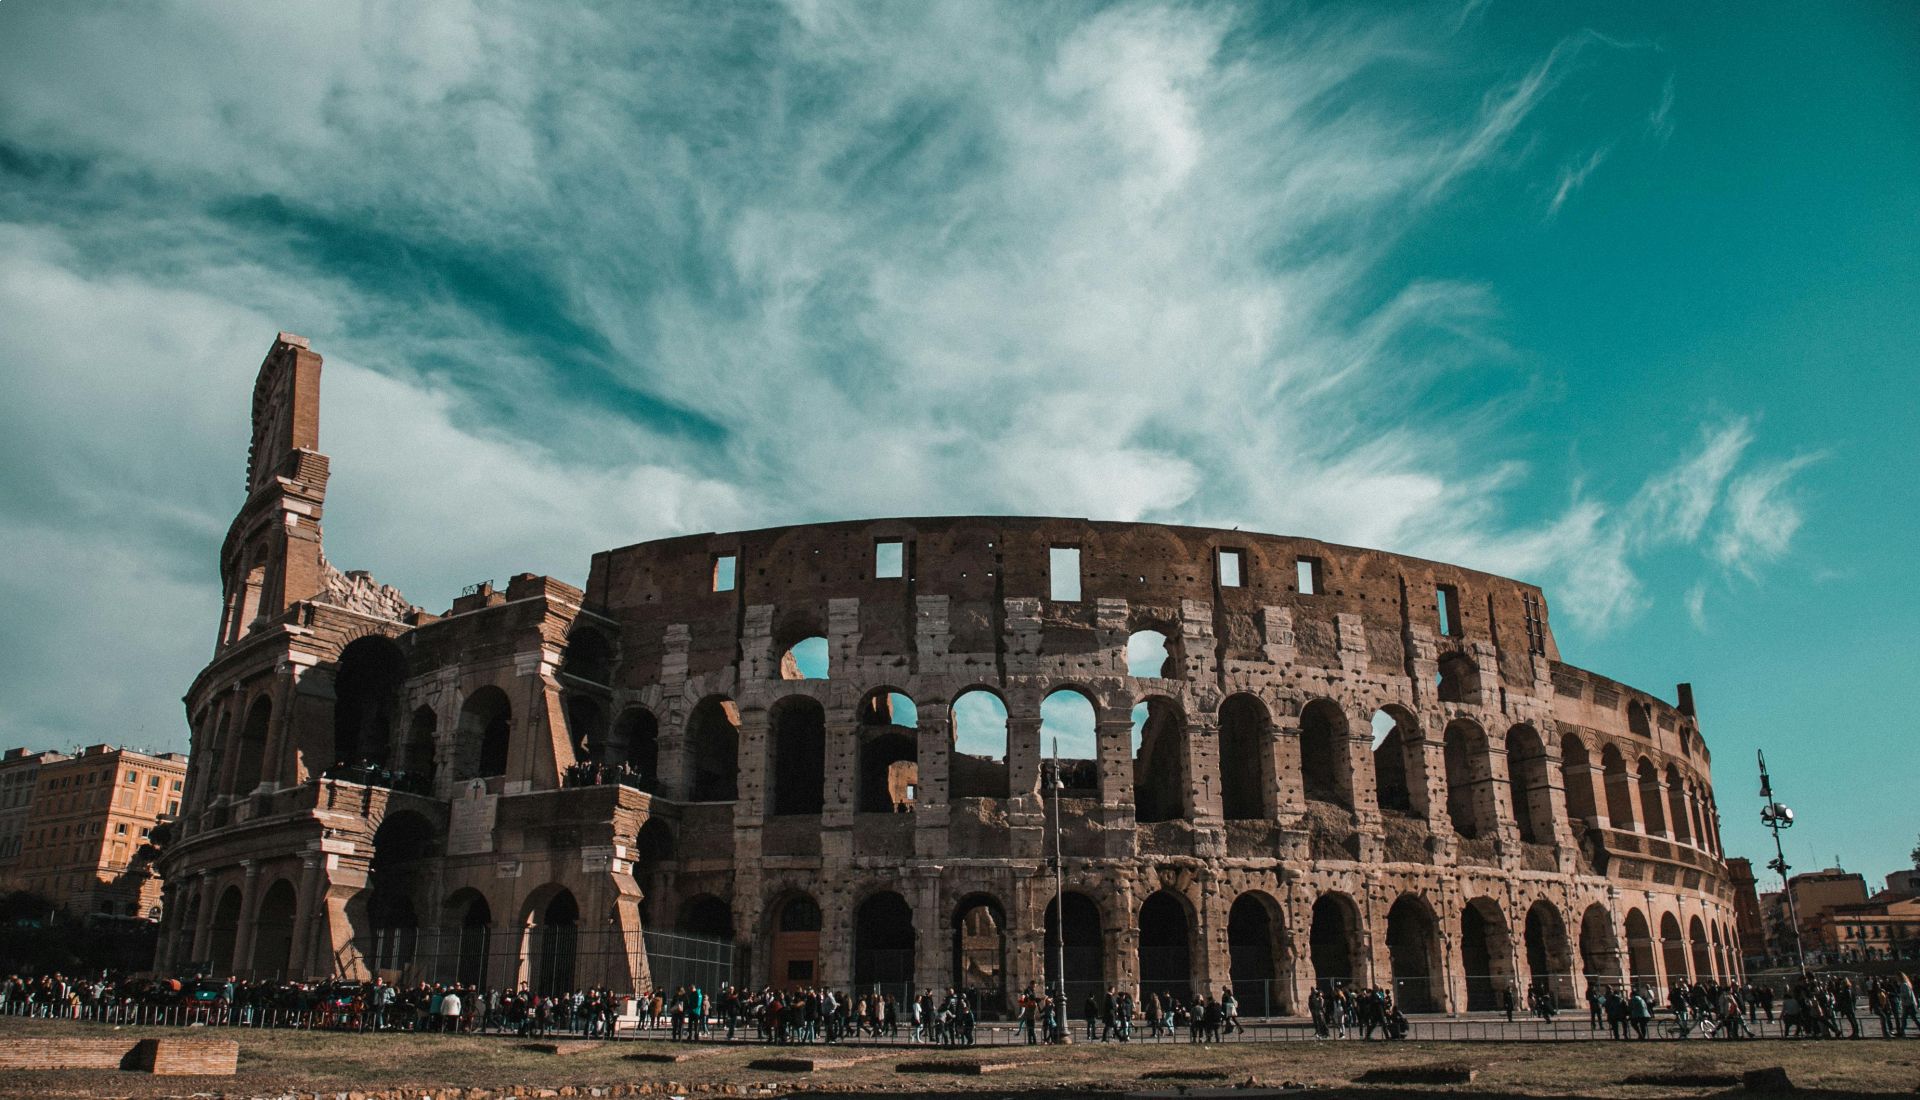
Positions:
{"x": 300, "y": 963}
{"x": 249, "y": 908}
{"x": 933, "y": 748}
{"x": 1202, "y": 750}
{"x": 203, "y": 919}
{"x": 1289, "y": 782}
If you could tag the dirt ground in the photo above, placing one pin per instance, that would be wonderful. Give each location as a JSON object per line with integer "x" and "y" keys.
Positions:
{"x": 277, "y": 1063}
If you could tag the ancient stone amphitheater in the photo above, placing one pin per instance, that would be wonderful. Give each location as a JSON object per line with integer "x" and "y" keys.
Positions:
{"x": 821, "y": 755}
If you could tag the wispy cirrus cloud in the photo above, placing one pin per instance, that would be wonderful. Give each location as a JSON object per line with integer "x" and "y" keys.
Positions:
{"x": 666, "y": 268}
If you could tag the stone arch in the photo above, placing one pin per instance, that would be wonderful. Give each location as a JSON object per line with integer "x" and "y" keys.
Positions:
{"x": 1326, "y": 765}
{"x": 484, "y": 736}
{"x": 1413, "y": 951}
{"x": 1336, "y": 941}
{"x": 793, "y": 951}
{"x": 249, "y": 769}
{"x": 977, "y": 764}
{"x": 889, "y": 753}
{"x": 1673, "y": 949}
{"x": 979, "y": 953}
{"x": 1643, "y": 970}
{"x": 1257, "y": 953}
{"x": 587, "y": 729}
{"x": 1576, "y": 775}
{"x": 1637, "y": 722}
{"x": 883, "y": 944}
{"x": 1703, "y": 968}
{"x": 1549, "y": 961}
{"x": 552, "y": 918}
{"x": 706, "y": 916}
{"x": 273, "y": 931}
{"x": 1677, "y": 806}
{"x": 713, "y": 748}
{"x": 1486, "y": 954}
{"x": 588, "y": 656}
{"x": 224, "y": 931}
{"x": 1469, "y": 779}
{"x": 1166, "y": 945}
{"x": 1153, "y": 652}
{"x": 1599, "y": 951}
{"x": 1069, "y": 715}
{"x": 468, "y": 917}
{"x": 1246, "y": 763}
{"x": 1161, "y": 790}
{"x": 366, "y": 700}
{"x": 1085, "y": 949}
{"x": 635, "y": 743}
{"x": 1613, "y": 766}
{"x": 1458, "y": 679}
{"x": 1399, "y": 770}
{"x": 810, "y": 658}
{"x": 796, "y": 756}
{"x": 404, "y": 847}
{"x": 1650, "y": 800}
{"x": 416, "y": 753}
{"x": 1529, "y": 784}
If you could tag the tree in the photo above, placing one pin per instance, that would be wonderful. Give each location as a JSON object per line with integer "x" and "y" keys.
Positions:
{"x": 1916, "y": 857}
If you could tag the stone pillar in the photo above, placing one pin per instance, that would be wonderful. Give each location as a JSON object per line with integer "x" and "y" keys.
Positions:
{"x": 1114, "y": 737}
{"x": 300, "y": 962}
{"x": 1202, "y": 750}
{"x": 932, "y": 936}
{"x": 203, "y": 919}
{"x": 1289, "y": 781}
{"x": 932, "y": 809}
{"x": 840, "y": 779}
{"x": 249, "y": 909}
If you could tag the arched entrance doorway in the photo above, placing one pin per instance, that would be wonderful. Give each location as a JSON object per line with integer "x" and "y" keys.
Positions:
{"x": 273, "y": 932}
{"x": 556, "y": 930}
{"x": 883, "y": 945}
{"x": 1335, "y": 942}
{"x": 1085, "y": 947}
{"x": 472, "y": 926}
{"x": 1486, "y": 955}
{"x": 1255, "y": 945}
{"x": 1549, "y": 968}
{"x": 1599, "y": 954}
{"x": 1413, "y": 946}
{"x": 1640, "y": 951}
{"x": 980, "y": 950}
{"x": 794, "y": 954}
{"x": 1166, "y": 952}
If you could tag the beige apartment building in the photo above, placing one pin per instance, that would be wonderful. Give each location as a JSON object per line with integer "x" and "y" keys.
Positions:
{"x": 89, "y": 814}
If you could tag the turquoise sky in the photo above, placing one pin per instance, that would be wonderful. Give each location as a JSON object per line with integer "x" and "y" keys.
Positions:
{"x": 1618, "y": 299}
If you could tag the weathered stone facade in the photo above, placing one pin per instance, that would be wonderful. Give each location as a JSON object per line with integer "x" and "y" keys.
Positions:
{"x": 1352, "y": 765}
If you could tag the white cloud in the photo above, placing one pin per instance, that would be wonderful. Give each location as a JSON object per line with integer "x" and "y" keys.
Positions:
{"x": 1573, "y": 177}
{"x": 1761, "y": 518}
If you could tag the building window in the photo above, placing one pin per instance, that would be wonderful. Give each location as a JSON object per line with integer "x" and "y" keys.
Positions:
{"x": 153, "y": 782}
{"x": 1307, "y": 576}
{"x": 1233, "y": 568}
{"x": 889, "y": 559}
{"x": 724, "y": 567}
{"x": 1536, "y": 624}
{"x": 120, "y": 829}
{"x": 1063, "y": 565}
{"x": 133, "y": 777}
{"x": 177, "y": 786}
{"x": 1446, "y": 599}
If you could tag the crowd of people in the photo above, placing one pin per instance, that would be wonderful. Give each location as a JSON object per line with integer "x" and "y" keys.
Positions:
{"x": 1812, "y": 1007}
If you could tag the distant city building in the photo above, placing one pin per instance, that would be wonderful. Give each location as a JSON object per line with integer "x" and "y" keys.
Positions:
{"x": 1905, "y": 884}
{"x": 86, "y": 821}
{"x": 1748, "y": 927}
{"x": 1886, "y": 924}
{"x": 19, "y": 774}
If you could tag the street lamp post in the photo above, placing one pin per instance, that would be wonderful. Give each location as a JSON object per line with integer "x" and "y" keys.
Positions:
{"x": 1778, "y": 817}
{"x": 1059, "y": 907}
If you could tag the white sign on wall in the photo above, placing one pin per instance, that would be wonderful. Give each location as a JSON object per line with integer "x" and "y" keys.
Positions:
{"x": 470, "y": 824}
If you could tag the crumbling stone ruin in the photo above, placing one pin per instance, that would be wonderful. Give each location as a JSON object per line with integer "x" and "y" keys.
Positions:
{"x": 1291, "y": 762}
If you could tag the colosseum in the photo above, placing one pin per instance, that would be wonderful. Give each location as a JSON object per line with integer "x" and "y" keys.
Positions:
{"x": 843, "y": 754}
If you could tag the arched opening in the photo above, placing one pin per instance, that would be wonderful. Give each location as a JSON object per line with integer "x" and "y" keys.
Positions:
{"x": 471, "y": 919}
{"x": 1702, "y": 954}
{"x": 589, "y": 657}
{"x": 556, "y": 931}
{"x": 1160, "y": 786}
{"x": 652, "y": 848}
{"x": 1326, "y": 767}
{"x": 484, "y": 735}
{"x": 366, "y": 701}
{"x": 713, "y": 742}
{"x": 1529, "y": 786}
{"x": 1393, "y": 733}
{"x": 1067, "y": 720}
{"x": 587, "y": 729}
{"x": 1166, "y": 951}
{"x": 273, "y": 932}
{"x": 1458, "y": 679}
{"x": 1673, "y": 949}
{"x": 707, "y": 917}
{"x": 1650, "y": 800}
{"x": 977, "y": 767}
{"x": 249, "y": 762}
{"x": 1576, "y": 775}
{"x": 1599, "y": 954}
{"x": 888, "y": 736}
{"x": 1413, "y": 948}
{"x": 1150, "y": 654}
{"x": 806, "y": 659}
{"x": 1619, "y": 788}
{"x": 1256, "y": 944}
{"x": 403, "y": 848}
{"x": 794, "y": 953}
{"x": 1640, "y": 951}
{"x": 1085, "y": 947}
{"x": 1677, "y": 806}
{"x": 1486, "y": 954}
{"x": 883, "y": 945}
{"x": 635, "y": 746}
{"x": 1549, "y": 964}
{"x": 416, "y": 756}
{"x": 1246, "y": 763}
{"x": 1469, "y": 780}
{"x": 797, "y": 757}
{"x": 1698, "y": 818}
{"x": 1637, "y": 722}
{"x": 1335, "y": 942}
{"x": 224, "y": 930}
{"x": 980, "y": 949}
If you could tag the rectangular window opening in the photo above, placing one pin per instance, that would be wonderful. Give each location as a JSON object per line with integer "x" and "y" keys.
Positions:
{"x": 1063, "y": 564}
{"x": 1307, "y": 576}
{"x": 1446, "y": 599}
{"x": 1232, "y": 568}
{"x": 724, "y": 568}
{"x": 889, "y": 559}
